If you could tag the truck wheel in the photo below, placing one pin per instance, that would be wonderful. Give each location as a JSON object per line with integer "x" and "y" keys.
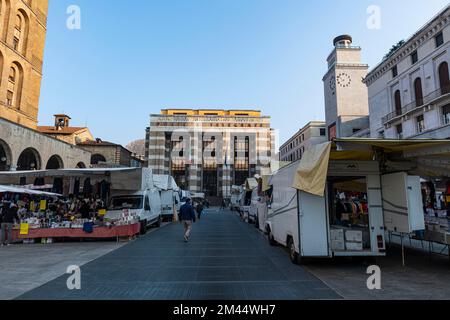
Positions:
{"x": 158, "y": 223}
{"x": 272, "y": 241}
{"x": 292, "y": 254}
{"x": 143, "y": 227}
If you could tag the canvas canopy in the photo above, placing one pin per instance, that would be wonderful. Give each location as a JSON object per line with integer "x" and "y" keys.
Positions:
{"x": 424, "y": 157}
{"x": 311, "y": 174}
{"x": 164, "y": 182}
{"x": 19, "y": 190}
{"x": 265, "y": 182}
{"x": 250, "y": 184}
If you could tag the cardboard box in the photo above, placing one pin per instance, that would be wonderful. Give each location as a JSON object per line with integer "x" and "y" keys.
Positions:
{"x": 337, "y": 245}
{"x": 353, "y": 236}
{"x": 354, "y": 246}
{"x": 337, "y": 234}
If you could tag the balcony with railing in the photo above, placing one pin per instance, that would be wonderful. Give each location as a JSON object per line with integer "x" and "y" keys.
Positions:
{"x": 417, "y": 104}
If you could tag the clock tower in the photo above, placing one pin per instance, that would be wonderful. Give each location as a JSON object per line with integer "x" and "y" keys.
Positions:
{"x": 346, "y": 97}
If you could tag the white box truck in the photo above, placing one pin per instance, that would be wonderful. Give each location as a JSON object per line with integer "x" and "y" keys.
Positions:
{"x": 134, "y": 191}
{"x": 311, "y": 226}
{"x": 170, "y": 199}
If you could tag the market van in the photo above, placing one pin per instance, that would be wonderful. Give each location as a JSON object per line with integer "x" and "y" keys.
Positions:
{"x": 346, "y": 221}
{"x": 145, "y": 204}
{"x": 134, "y": 193}
{"x": 342, "y": 198}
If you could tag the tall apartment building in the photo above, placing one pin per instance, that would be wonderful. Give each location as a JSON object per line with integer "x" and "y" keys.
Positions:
{"x": 315, "y": 132}
{"x": 346, "y": 101}
{"x": 409, "y": 91}
{"x": 22, "y": 41}
{"x": 210, "y": 150}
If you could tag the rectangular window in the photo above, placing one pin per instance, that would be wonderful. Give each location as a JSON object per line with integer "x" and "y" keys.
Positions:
{"x": 16, "y": 44}
{"x": 322, "y": 132}
{"x": 9, "y": 98}
{"x": 439, "y": 39}
{"x": 394, "y": 72}
{"x": 414, "y": 57}
{"x": 420, "y": 124}
{"x": 446, "y": 114}
{"x": 399, "y": 129}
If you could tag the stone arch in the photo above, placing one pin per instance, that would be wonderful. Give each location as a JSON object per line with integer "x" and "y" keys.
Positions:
{"x": 29, "y": 159}
{"x": 81, "y": 165}
{"x": 55, "y": 162}
{"x": 5, "y": 156}
{"x": 97, "y": 158}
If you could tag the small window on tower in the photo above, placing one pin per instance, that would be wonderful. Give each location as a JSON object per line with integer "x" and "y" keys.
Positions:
{"x": 9, "y": 98}
{"x": 16, "y": 44}
{"x": 12, "y": 75}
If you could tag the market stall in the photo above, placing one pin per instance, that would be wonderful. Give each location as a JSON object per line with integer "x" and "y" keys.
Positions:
{"x": 50, "y": 216}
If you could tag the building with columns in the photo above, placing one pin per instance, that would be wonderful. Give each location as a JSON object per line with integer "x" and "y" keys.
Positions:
{"x": 346, "y": 98}
{"x": 210, "y": 150}
{"x": 409, "y": 91}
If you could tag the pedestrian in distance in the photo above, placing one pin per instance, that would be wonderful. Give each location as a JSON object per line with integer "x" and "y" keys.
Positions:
{"x": 8, "y": 216}
{"x": 199, "y": 209}
{"x": 224, "y": 204}
{"x": 187, "y": 218}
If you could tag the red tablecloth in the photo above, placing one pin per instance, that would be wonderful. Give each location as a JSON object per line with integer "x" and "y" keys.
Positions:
{"x": 99, "y": 232}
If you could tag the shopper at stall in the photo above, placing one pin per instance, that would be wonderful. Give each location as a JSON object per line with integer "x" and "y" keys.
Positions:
{"x": 9, "y": 216}
{"x": 85, "y": 210}
{"x": 187, "y": 218}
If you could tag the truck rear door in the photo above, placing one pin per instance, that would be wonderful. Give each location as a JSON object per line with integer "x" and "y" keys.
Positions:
{"x": 313, "y": 225}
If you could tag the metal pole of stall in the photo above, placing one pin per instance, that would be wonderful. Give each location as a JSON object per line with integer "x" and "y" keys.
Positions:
{"x": 403, "y": 249}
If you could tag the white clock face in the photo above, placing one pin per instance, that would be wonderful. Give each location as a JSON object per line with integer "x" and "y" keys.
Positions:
{"x": 344, "y": 80}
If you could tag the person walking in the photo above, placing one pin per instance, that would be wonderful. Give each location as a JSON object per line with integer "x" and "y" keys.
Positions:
{"x": 187, "y": 218}
{"x": 199, "y": 210}
{"x": 224, "y": 205}
{"x": 8, "y": 215}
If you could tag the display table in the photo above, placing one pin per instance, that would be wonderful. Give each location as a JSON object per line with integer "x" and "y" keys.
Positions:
{"x": 98, "y": 232}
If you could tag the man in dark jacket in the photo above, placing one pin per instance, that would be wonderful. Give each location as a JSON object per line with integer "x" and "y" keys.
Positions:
{"x": 187, "y": 217}
{"x": 9, "y": 214}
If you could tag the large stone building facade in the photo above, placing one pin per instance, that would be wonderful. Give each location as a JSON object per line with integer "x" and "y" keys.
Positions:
{"x": 313, "y": 133}
{"x": 22, "y": 148}
{"x": 346, "y": 97}
{"x": 409, "y": 91}
{"x": 210, "y": 150}
{"x": 22, "y": 41}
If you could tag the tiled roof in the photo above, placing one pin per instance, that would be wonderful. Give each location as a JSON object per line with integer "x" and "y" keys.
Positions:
{"x": 64, "y": 130}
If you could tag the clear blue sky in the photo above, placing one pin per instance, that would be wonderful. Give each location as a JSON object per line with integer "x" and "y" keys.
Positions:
{"x": 132, "y": 58}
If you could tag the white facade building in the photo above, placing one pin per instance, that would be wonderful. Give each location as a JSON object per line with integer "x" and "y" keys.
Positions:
{"x": 346, "y": 98}
{"x": 409, "y": 92}
{"x": 313, "y": 133}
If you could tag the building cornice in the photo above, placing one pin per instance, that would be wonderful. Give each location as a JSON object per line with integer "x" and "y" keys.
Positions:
{"x": 431, "y": 29}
